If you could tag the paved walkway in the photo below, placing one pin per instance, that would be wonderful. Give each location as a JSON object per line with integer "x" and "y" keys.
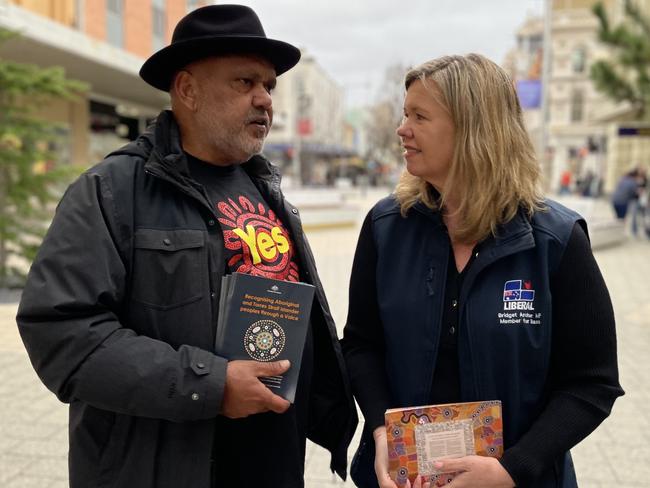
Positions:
{"x": 33, "y": 424}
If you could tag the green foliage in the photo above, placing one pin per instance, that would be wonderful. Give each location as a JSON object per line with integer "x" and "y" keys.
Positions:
{"x": 627, "y": 76}
{"x": 27, "y": 191}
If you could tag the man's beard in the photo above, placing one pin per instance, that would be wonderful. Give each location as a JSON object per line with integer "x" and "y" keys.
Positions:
{"x": 233, "y": 142}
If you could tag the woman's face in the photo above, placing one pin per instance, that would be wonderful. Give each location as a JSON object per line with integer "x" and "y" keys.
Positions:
{"x": 427, "y": 134}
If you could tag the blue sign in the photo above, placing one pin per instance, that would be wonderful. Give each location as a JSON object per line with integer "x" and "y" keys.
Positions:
{"x": 634, "y": 131}
{"x": 530, "y": 93}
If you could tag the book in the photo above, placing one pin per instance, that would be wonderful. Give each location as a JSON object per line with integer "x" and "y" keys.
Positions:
{"x": 264, "y": 319}
{"x": 419, "y": 436}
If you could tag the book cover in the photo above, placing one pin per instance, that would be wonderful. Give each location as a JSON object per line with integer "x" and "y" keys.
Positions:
{"x": 263, "y": 319}
{"x": 419, "y": 436}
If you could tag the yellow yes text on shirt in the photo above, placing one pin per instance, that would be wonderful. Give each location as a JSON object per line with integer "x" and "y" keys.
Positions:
{"x": 264, "y": 244}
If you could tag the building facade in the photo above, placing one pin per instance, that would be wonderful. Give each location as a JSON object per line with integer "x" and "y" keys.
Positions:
{"x": 576, "y": 135}
{"x": 307, "y": 137}
{"x": 524, "y": 65}
{"x": 102, "y": 43}
{"x": 588, "y": 135}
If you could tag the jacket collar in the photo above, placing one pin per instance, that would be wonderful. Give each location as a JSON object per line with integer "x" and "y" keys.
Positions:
{"x": 516, "y": 228}
{"x": 434, "y": 215}
{"x": 511, "y": 236}
{"x": 167, "y": 160}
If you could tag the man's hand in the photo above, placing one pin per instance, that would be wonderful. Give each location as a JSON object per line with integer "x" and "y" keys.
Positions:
{"x": 244, "y": 394}
{"x": 483, "y": 471}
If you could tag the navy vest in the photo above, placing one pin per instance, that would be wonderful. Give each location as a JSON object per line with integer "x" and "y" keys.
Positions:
{"x": 505, "y": 316}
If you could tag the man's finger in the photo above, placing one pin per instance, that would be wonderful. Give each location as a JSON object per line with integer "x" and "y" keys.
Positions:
{"x": 274, "y": 368}
{"x": 277, "y": 404}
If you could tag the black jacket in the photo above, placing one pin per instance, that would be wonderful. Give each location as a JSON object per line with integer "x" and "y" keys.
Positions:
{"x": 118, "y": 318}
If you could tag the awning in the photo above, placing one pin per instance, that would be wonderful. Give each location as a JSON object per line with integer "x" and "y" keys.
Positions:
{"x": 112, "y": 73}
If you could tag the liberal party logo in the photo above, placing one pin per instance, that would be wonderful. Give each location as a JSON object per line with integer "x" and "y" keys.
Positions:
{"x": 518, "y": 295}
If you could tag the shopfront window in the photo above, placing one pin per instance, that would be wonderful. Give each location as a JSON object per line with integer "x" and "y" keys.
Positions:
{"x": 579, "y": 60}
{"x": 577, "y": 105}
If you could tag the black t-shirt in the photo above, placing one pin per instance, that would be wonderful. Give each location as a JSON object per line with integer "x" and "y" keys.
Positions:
{"x": 265, "y": 449}
{"x": 255, "y": 240}
{"x": 446, "y": 376}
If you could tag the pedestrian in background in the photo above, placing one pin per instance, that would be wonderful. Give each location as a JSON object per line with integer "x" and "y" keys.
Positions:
{"x": 626, "y": 193}
{"x": 586, "y": 185}
{"x": 565, "y": 182}
{"x": 640, "y": 204}
{"x": 466, "y": 234}
{"x": 121, "y": 304}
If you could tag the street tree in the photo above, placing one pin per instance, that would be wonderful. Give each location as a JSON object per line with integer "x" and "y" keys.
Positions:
{"x": 27, "y": 190}
{"x": 385, "y": 116}
{"x": 625, "y": 78}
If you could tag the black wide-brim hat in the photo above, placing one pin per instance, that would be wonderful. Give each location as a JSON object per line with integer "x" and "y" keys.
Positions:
{"x": 212, "y": 31}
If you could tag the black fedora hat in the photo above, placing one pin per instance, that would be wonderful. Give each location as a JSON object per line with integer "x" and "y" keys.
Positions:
{"x": 211, "y": 31}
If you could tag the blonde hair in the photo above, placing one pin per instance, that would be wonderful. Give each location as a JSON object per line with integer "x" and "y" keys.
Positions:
{"x": 494, "y": 170}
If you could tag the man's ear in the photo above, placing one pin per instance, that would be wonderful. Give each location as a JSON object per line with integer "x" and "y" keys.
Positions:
{"x": 184, "y": 89}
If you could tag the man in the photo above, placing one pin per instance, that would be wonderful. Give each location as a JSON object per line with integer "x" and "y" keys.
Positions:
{"x": 120, "y": 307}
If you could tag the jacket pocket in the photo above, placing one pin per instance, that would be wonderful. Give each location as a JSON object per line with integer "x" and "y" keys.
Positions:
{"x": 167, "y": 267}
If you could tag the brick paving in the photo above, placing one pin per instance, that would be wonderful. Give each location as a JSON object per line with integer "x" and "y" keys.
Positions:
{"x": 33, "y": 425}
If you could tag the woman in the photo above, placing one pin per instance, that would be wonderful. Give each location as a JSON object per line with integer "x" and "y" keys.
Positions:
{"x": 436, "y": 267}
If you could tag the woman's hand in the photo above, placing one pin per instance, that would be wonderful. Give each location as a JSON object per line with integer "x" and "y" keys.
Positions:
{"x": 476, "y": 471}
{"x": 381, "y": 463}
{"x": 381, "y": 459}
{"x": 418, "y": 483}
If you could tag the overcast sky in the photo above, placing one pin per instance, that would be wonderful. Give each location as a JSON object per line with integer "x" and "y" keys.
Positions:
{"x": 355, "y": 40}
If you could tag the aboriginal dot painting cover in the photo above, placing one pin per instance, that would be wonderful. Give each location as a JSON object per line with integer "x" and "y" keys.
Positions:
{"x": 419, "y": 436}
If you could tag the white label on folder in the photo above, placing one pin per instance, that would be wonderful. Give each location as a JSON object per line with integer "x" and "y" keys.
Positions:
{"x": 442, "y": 440}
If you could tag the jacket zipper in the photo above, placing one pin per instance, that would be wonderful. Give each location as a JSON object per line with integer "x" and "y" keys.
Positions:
{"x": 434, "y": 353}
